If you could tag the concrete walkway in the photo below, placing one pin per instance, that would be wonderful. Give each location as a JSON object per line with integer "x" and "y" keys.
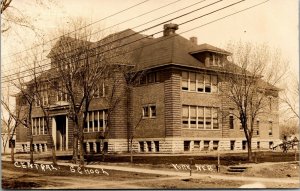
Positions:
{"x": 173, "y": 172}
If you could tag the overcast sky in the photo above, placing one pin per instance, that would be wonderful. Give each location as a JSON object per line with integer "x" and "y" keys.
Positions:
{"x": 275, "y": 22}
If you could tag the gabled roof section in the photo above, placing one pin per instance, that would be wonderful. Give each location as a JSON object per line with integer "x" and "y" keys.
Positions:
{"x": 67, "y": 45}
{"x": 173, "y": 49}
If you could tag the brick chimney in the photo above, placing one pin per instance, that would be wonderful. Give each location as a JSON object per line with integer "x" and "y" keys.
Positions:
{"x": 170, "y": 29}
{"x": 194, "y": 40}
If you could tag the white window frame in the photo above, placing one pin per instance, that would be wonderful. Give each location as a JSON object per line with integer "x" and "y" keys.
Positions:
{"x": 95, "y": 115}
{"x": 197, "y": 118}
{"x": 211, "y": 83}
{"x": 148, "y": 107}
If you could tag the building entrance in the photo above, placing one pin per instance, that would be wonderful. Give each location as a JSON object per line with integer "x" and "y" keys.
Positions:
{"x": 61, "y": 133}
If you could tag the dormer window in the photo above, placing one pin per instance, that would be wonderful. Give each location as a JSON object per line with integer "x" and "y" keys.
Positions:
{"x": 214, "y": 60}
{"x": 210, "y": 55}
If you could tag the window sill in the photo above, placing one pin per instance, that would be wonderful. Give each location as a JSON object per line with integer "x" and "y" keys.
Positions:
{"x": 199, "y": 92}
{"x": 94, "y": 131}
{"x": 201, "y": 129}
{"x": 149, "y": 118}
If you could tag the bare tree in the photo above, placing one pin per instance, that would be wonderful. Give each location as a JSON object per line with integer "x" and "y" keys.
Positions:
{"x": 26, "y": 97}
{"x": 290, "y": 98}
{"x": 83, "y": 67}
{"x": 12, "y": 15}
{"x": 9, "y": 124}
{"x": 289, "y": 129}
{"x": 249, "y": 81}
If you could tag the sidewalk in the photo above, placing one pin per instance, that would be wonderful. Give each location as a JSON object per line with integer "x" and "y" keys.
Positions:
{"x": 173, "y": 172}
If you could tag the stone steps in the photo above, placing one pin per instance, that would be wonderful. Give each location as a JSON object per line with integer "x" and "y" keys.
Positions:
{"x": 236, "y": 169}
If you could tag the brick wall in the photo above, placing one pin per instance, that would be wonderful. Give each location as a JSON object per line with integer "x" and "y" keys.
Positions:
{"x": 173, "y": 103}
{"x": 144, "y": 95}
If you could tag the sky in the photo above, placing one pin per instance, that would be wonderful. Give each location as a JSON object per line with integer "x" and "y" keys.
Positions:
{"x": 274, "y": 22}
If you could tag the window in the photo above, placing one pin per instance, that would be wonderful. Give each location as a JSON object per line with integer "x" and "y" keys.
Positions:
{"x": 197, "y": 145}
{"x": 39, "y": 126}
{"x": 271, "y": 145}
{"x": 214, "y": 84}
{"x": 142, "y": 149}
{"x": 100, "y": 91}
{"x": 149, "y": 111}
{"x": 153, "y": 110}
{"x": 197, "y": 117}
{"x": 185, "y": 116}
{"x": 95, "y": 121}
{"x": 151, "y": 77}
{"x": 62, "y": 94}
{"x": 156, "y": 144}
{"x": 149, "y": 146}
{"x": 185, "y": 81}
{"x": 231, "y": 122}
{"x": 215, "y": 118}
{"x": 192, "y": 81}
{"x": 270, "y": 102}
{"x": 206, "y": 145}
{"x": 186, "y": 145}
{"x": 232, "y": 145}
{"x": 193, "y": 117}
{"x": 215, "y": 145}
{"x": 244, "y": 145}
{"x": 208, "y": 118}
{"x": 200, "y": 79}
{"x": 200, "y": 117}
{"x": 145, "y": 111}
{"x": 44, "y": 94}
{"x": 207, "y": 83}
{"x": 258, "y": 145}
{"x": 196, "y": 82}
{"x": 37, "y": 101}
{"x": 12, "y": 144}
{"x": 270, "y": 128}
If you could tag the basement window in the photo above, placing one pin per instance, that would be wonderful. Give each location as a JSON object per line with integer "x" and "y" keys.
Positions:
{"x": 142, "y": 149}
{"x": 197, "y": 145}
{"x": 215, "y": 145}
{"x": 232, "y": 145}
{"x": 186, "y": 145}
{"x": 206, "y": 145}
{"x": 156, "y": 144}
{"x": 244, "y": 145}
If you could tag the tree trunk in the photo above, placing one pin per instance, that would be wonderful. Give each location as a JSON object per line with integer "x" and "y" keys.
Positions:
{"x": 102, "y": 151}
{"x": 54, "y": 155}
{"x": 31, "y": 149}
{"x": 75, "y": 144}
{"x": 250, "y": 158}
{"x": 12, "y": 155}
{"x": 81, "y": 151}
{"x": 4, "y": 146}
{"x": 131, "y": 153}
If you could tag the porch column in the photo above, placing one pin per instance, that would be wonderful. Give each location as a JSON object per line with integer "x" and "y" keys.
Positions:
{"x": 67, "y": 132}
{"x": 54, "y": 131}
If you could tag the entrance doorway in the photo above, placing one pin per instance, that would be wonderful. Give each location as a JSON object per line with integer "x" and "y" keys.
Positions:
{"x": 61, "y": 139}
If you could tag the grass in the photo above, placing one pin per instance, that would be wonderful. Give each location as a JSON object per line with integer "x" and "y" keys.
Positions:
{"x": 226, "y": 159}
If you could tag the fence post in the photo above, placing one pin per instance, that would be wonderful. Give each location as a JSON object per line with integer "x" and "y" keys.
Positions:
{"x": 218, "y": 166}
{"x": 191, "y": 163}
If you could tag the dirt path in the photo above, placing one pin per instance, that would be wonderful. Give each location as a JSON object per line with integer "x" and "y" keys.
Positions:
{"x": 181, "y": 178}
